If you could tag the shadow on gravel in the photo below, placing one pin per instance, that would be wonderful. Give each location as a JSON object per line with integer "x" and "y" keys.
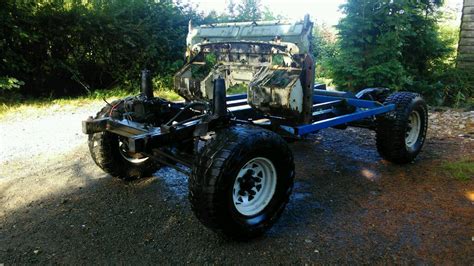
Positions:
{"x": 345, "y": 208}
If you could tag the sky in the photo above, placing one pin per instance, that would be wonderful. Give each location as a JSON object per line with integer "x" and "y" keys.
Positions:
{"x": 321, "y": 11}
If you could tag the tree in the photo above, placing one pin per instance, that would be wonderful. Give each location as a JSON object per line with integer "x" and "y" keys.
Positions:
{"x": 324, "y": 50}
{"x": 60, "y": 47}
{"x": 387, "y": 43}
{"x": 231, "y": 8}
{"x": 245, "y": 10}
{"x": 249, "y": 10}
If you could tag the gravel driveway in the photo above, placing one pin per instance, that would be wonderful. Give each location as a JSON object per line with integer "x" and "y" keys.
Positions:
{"x": 349, "y": 206}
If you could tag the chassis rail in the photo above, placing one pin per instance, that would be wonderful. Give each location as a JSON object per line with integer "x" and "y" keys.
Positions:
{"x": 329, "y": 110}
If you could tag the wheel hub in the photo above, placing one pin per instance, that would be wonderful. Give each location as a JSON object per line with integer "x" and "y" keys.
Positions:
{"x": 254, "y": 186}
{"x": 248, "y": 183}
{"x": 413, "y": 129}
{"x": 134, "y": 158}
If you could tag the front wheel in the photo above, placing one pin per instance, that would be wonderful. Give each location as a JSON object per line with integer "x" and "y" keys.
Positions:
{"x": 241, "y": 181}
{"x": 402, "y": 132}
{"x": 110, "y": 152}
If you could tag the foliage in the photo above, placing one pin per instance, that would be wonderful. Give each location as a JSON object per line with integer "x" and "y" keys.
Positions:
{"x": 278, "y": 60}
{"x": 449, "y": 34}
{"x": 9, "y": 88}
{"x": 449, "y": 86}
{"x": 61, "y": 47}
{"x": 8, "y": 84}
{"x": 388, "y": 43}
{"x": 200, "y": 72}
{"x": 249, "y": 10}
{"x": 324, "y": 50}
{"x": 243, "y": 10}
{"x": 462, "y": 170}
{"x": 34, "y": 106}
{"x": 237, "y": 89}
{"x": 55, "y": 48}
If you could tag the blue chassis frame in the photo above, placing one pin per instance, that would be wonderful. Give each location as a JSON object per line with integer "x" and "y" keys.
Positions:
{"x": 329, "y": 109}
{"x": 363, "y": 109}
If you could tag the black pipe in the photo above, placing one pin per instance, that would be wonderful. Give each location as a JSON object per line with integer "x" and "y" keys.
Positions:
{"x": 219, "y": 103}
{"x": 146, "y": 86}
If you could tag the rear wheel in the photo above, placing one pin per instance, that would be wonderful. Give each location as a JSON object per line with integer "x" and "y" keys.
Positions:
{"x": 402, "y": 132}
{"x": 241, "y": 181}
{"x": 110, "y": 152}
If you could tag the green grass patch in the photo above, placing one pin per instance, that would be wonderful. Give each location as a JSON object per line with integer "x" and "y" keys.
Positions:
{"x": 168, "y": 95}
{"x": 18, "y": 106}
{"x": 237, "y": 89}
{"x": 462, "y": 170}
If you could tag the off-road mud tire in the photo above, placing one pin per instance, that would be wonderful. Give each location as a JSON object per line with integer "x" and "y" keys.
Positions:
{"x": 391, "y": 128}
{"x": 215, "y": 170}
{"x": 105, "y": 151}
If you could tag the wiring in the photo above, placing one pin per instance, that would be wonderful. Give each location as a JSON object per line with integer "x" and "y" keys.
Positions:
{"x": 113, "y": 107}
{"x": 106, "y": 102}
{"x": 187, "y": 107}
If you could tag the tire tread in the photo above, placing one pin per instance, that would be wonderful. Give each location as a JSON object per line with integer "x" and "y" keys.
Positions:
{"x": 390, "y": 137}
{"x": 209, "y": 164}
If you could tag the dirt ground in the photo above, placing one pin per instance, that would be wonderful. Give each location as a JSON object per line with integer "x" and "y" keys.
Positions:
{"x": 348, "y": 206}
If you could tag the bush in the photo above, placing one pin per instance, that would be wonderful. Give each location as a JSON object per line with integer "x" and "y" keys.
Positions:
{"x": 70, "y": 47}
{"x": 399, "y": 44}
{"x": 9, "y": 88}
{"x": 450, "y": 86}
{"x": 9, "y": 84}
{"x": 324, "y": 50}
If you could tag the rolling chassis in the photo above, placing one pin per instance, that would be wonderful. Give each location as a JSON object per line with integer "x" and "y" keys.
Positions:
{"x": 241, "y": 169}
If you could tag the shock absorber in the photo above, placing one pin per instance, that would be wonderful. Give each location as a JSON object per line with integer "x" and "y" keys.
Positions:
{"x": 146, "y": 85}
{"x": 219, "y": 103}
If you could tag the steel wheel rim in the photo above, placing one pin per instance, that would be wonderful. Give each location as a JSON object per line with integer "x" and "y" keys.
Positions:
{"x": 254, "y": 186}
{"x": 130, "y": 157}
{"x": 413, "y": 129}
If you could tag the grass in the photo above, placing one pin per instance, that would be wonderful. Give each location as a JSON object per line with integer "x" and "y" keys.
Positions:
{"x": 15, "y": 106}
{"x": 237, "y": 89}
{"x": 462, "y": 170}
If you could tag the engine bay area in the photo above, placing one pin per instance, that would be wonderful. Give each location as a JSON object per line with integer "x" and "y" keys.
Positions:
{"x": 269, "y": 61}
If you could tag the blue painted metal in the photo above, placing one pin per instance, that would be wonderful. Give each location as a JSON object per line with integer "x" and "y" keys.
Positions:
{"x": 343, "y": 119}
{"x": 243, "y": 107}
{"x": 237, "y": 102}
{"x": 288, "y": 129}
{"x": 236, "y": 97}
{"x": 322, "y": 112}
{"x": 351, "y": 101}
{"x": 341, "y": 94}
{"x": 323, "y": 105}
